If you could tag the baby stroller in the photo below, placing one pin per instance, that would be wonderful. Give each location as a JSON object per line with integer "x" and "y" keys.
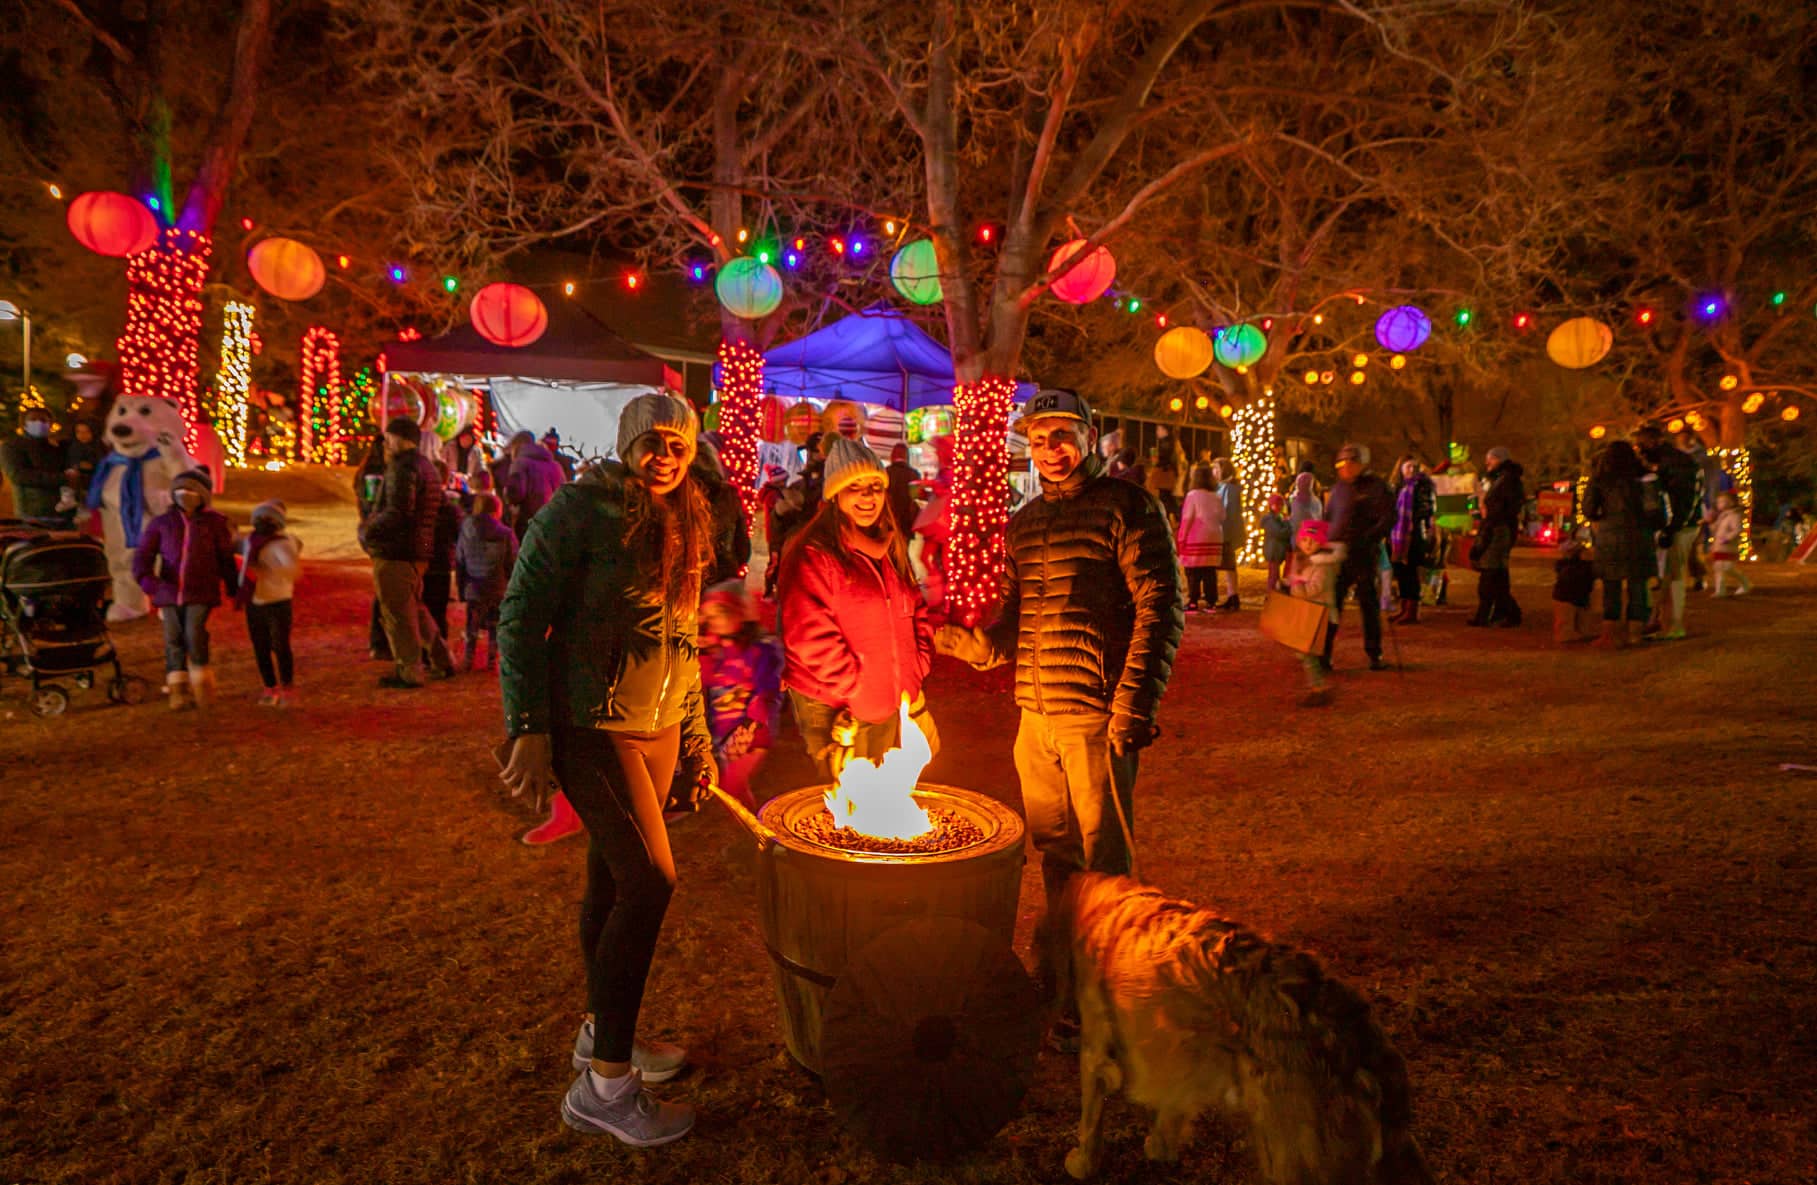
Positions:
{"x": 54, "y": 590}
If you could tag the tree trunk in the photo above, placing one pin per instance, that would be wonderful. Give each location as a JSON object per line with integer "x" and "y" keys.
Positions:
{"x": 160, "y": 346}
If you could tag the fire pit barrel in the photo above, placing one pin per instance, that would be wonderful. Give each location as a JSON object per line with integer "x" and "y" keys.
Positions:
{"x": 823, "y": 904}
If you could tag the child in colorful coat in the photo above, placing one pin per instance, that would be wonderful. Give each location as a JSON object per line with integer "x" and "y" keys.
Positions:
{"x": 184, "y": 559}
{"x": 272, "y": 560}
{"x": 1725, "y": 545}
{"x": 1313, "y": 577}
{"x": 1277, "y": 539}
{"x": 741, "y": 676}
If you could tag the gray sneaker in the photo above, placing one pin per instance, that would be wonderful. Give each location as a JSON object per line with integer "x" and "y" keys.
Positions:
{"x": 657, "y": 1061}
{"x": 634, "y": 1118}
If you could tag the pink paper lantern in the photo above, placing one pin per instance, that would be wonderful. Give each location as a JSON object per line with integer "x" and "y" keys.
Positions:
{"x": 508, "y": 315}
{"x": 1089, "y": 279}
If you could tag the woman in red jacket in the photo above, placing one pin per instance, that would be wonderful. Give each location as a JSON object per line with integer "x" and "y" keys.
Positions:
{"x": 855, "y": 632}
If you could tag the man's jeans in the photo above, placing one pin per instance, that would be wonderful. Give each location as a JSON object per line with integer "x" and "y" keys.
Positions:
{"x": 185, "y": 636}
{"x": 407, "y": 623}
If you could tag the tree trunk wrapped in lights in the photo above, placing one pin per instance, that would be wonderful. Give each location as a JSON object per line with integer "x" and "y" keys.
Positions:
{"x": 1739, "y": 464}
{"x": 980, "y": 495}
{"x": 1252, "y": 441}
{"x": 740, "y": 392}
{"x": 319, "y": 398}
{"x": 161, "y": 344}
{"x": 234, "y": 382}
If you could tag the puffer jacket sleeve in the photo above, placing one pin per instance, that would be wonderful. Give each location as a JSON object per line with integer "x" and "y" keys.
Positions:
{"x": 810, "y": 625}
{"x": 1000, "y": 637}
{"x": 393, "y": 520}
{"x": 552, "y": 547}
{"x": 1145, "y": 552}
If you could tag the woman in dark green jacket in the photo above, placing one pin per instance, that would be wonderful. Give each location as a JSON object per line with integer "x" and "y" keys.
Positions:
{"x": 597, "y": 640}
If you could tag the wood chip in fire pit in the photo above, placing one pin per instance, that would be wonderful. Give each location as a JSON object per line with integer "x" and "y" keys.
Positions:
{"x": 951, "y": 832}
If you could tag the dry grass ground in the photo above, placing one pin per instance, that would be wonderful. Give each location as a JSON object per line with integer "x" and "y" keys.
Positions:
{"x": 249, "y": 946}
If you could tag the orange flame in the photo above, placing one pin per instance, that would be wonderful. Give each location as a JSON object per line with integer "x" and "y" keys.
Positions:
{"x": 877, "y": 798}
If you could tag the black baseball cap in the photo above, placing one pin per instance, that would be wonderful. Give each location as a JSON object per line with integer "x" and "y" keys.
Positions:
{"x": 1055, "y": 403}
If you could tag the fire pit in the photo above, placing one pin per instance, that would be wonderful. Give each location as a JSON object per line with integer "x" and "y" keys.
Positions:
{"x": 888, "y": 910}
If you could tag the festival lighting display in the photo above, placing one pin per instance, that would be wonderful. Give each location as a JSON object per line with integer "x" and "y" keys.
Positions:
{"x": 1740, "y": 465}
{"x": 740, "y": 392}
{"x": 160, "y": 344}
{"x": 980, "y": 498}
{"x": 319, "y": 398}
{"x": 1252, "y": 444}
{"x": 234, "y": 381}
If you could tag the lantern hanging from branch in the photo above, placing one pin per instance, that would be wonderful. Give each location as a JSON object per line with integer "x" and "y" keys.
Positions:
{"x": 799, "y": 422}
{"x": 1184, "y": 352}
{"x": 287, "y": 269}
{"x": 508, "y": 315}
{"x": 1086, "y": 280}
{"x": 1240, "y": 345}
{"x": 111, "y": 223}
{"x": 1402, "y": 329}
{"x": 915, "y": 271}
{"x": 1579, "y": 343}
{"x": 749, "y": 288}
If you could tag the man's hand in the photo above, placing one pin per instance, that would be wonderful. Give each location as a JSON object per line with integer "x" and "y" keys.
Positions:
{"x": 1130, "y": 735}
{"x": 966, "y": 645}
{"x": 531, "y": 768}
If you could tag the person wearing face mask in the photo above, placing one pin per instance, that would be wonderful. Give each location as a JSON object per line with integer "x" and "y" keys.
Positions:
{"x": 184, "y": 559}
{"x": 855, "y": 631}
{"x": 599, "y": 667}
{"x": 1092, "y": 615}
{"x": 33, "y": 465}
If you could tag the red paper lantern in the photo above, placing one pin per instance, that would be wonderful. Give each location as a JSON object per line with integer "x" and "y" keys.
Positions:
{"x": 112, "y": 223}
{"x": 1088, "y": 279}
{"x": 287, "y": 269}
{"x": 508, "y": 315}
{"x": 770, "y": 412}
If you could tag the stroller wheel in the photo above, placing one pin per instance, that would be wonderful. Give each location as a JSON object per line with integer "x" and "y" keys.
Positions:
{"x": 49, "y": 701}
{"x": 128, "y": 689}
{"x": 85, "y": 680}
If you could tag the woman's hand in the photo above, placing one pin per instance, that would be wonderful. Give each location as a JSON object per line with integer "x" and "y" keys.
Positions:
{"x": 531, "y": 768}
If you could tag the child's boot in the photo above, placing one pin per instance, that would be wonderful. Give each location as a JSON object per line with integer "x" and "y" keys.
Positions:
{"x": 561, "y": 823}
{"x": 177, "y": 683}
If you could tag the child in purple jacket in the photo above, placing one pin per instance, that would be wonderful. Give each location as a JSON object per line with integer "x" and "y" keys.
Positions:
{"x": 185, "y": 559}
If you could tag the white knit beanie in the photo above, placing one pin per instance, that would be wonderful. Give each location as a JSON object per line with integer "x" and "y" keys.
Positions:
{"x": 656, "y": 410}
{"x": 846, "y": 462}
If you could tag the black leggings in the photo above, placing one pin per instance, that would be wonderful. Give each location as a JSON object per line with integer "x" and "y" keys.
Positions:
{"x": 1407, "y": 582}
{"x": 616, "y": 782}
{"x": 1636, "y": 599}
{"x": 269, "y": 626}
{"x": 1201, "y": 585}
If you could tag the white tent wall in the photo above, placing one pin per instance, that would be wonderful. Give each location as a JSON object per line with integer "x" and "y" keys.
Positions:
{"x": 586, "y": 414}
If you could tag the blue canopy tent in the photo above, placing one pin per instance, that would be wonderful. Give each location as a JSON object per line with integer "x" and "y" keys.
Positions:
{"x": 877, "y": 356}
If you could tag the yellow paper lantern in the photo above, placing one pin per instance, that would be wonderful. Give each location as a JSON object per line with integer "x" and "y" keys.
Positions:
{"x": 1183, "y": 352}
{"x": 1752, "y": 403}
{"x": 1675, "y": 426}
{"x": 1202, "y": 402}
{"x": 1789, "y": 414}
{"x": 1729, "y": 382}
{"x": 1598, "y": 432}
{"x": 1357, "y": 377}
{"x": 1360, "y": 361}
{"x": 1176, "y": 404}
{"x": 287, "y": 269}
{"x": 1312, "y": 376}
{"x": 1398, "y": 361}
{"x": 1225, "y": 411}
{"x": 1579, "y": 342}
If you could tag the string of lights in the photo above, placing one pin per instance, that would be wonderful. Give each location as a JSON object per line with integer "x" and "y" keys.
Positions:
{"x": 740, "y": 394}
{"x": 1740, "y": 466}
{"x": 319, "y": 392}
{"x": 1252, "y": 442}
{"x": 159, "y": 347}
{"x": 233, "y": 384}
{"x": 980, "y": 497}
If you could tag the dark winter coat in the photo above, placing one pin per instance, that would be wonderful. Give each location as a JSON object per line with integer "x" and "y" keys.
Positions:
{"x": 534, "y": 478}
{"x": 1500, "y": 526}
{"x": 1680, "y": 485}
{"x": 83, "y": 458}
{"x": 1624, "y": 525}
{"x": 34, "y": 468}
{"x": 855, "y": 634}
{"x": 1415, "y": 521}
{"x": 447, "y": 535}
{"x": 1361, "y": 513}
{"x": 1092, "y": 604}
{"x": 402, "y": 524}
{"x": 582, "y": 644}
{"x": 484, "y": 556}
{"x": 186, "y": 559}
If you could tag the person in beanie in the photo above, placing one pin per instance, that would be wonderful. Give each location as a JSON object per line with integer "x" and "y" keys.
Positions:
{"x": 184, "y": 559}
{"x": 33, "y": 465}
{"x": 1494, "y": 546}
{"x": 400, "y": 537}
{"x": 598, "y": 665}
{"x": 1361, "y": 514}
{"x": 534, "y": 477}
{"x": 484, "y": 557}
{"x": 855, "y": 633}
{"x": 1313, "y": 577}
{"x": 1091, "y": 613}
{"x": 271, "y": 563}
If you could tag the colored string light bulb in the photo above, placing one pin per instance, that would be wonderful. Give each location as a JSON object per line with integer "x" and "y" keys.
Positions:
{"x": 398, "y": 274}
{"x": 1523, "y": 320}
{"x": 450, "y": 284}
{"x": 1778, "y": 299}
{"x": 1598, "y": 432}
{"x": 1177, "y": 404}
{"x": 343, "y": 261}
{"x": 1644, "y": 316}
{"x": 1463, "y": 318}
{"x": 56, "y": 191}
{"x": 568, "y": 288}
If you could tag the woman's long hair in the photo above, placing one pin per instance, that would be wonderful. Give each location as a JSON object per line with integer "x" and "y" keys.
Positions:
{"x": 1400, "y": 467}
{"x": 826, "y": 530}
{"x": 1201, "y": 478}
{"x": 670, "y": 538}
{"x": 1618, "y": 460}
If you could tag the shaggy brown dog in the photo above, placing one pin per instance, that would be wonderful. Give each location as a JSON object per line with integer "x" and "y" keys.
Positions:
{"x": 1185, "y": 1011}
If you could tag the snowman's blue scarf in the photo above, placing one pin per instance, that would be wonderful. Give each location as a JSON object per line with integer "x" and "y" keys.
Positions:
{"x": 132, "y": 491}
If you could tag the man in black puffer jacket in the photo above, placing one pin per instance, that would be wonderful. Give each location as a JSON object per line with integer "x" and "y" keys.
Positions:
{"x": 1361, "y": 513}
{"x": 1092, "y": 612}
{"x": 399, "y": 535}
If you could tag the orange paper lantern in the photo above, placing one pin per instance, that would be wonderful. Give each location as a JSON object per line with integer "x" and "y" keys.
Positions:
{"x": 1088, "y": 279}
{"x": 112, "y": 223}
{"x": 287, "y": 269}
{"x": 508, "y": 315}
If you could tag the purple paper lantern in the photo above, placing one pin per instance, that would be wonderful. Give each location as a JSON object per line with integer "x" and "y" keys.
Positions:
{"x": 1403, "y": 329}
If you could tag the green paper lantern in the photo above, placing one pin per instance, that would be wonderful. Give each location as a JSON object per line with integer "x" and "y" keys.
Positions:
{"x": 749, "y": 288}
{"x": 1240, "y": 345}
{"x": 915, "y": 271}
